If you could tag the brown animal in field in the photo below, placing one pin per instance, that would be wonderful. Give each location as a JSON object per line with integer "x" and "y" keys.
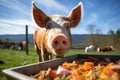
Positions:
{"x": 106, "y": 48}
{"x": 22, "y": 45}
{"x": 7, "y": 45}
{"x": 53, "y": 34}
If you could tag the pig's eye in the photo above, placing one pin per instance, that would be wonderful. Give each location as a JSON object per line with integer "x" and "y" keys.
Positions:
{"x": 67, "y": 26}
{"x": 48, "y": 26}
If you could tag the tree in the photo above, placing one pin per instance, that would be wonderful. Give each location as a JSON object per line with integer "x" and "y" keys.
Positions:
{"x": 117, "y": 39}
{"x": 111, "y": 32}
{"x": 113, "y": 38}
{"x": 91, "y": 30}
{"x": 95, "y": 37}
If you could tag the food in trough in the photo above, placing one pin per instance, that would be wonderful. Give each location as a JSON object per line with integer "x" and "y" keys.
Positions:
{"x": 84, "y": 69}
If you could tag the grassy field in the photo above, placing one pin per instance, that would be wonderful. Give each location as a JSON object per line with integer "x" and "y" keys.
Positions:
{"x": 19, "y": 58}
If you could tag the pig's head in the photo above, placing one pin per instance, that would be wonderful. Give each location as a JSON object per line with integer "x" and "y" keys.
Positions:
{"x": 57, "y": 28}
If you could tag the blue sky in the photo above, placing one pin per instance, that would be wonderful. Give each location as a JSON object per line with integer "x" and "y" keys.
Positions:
{"x": 104, "y": 14}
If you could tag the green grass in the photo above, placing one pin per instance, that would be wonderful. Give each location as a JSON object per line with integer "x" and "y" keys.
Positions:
{"x": 12, "y": 58}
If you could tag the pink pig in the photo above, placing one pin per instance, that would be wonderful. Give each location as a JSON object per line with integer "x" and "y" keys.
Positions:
{"x": 53, "y": 34}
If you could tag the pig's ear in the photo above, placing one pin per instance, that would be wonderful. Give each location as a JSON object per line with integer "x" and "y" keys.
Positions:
{"x": 75, "y": 15}
{"x": 39, "y": 16}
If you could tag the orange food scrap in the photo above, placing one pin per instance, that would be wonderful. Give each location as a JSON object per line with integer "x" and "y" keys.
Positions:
{"x": 69, "y": 65}
{"x": 77, "y": 78}
{"x": 107, "y": 70}
{"x": 78, "y": 71}
{"x": 99, "y": 66}
{"x": 41, "y": 75}
{"x": 88, "y": 65}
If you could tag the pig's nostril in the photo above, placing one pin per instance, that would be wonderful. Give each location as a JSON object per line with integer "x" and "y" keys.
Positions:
{"x": 64, "y": 42}
{"x": 56, "y": 42}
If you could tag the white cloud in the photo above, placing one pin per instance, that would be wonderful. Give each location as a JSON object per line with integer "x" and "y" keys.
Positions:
{"x": 89, "y": 3}
{"x": 8, "y": 26}
{"x": 15, "y": 5}
{"x": 92, "y": 18}
{"x": 17, "y": 21}
{"x": 53, "y": 4}
{"x": 79, "y": 30}
{"x": 15, "y": 26}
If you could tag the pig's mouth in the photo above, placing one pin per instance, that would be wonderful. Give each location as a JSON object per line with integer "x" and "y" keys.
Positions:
{"x": 60, "y": 51}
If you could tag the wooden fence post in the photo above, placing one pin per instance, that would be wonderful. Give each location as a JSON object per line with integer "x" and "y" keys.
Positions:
{"x": 27, "y": 52}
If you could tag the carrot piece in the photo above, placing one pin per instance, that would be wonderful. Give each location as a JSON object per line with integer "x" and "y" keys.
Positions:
{"x": 107, "y": 70}
{"x": 77, "y": 78}
{"x": 69, "y": 65}
{"x": 88, "y": 65}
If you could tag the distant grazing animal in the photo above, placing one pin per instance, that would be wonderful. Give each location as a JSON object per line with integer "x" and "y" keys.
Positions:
{"x": 14, "y": 47}
{"x": 7, "y": 45}
{"x": 89, "y": 49}
{"x": 22, "y": 45}
{"x": 106, "y": 48}
{"x": 53, "y": 34}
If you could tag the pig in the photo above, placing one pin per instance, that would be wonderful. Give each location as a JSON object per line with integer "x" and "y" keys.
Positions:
{"x": 53, "y": 35}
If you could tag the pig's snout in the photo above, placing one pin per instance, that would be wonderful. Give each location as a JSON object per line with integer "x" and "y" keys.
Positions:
{"x": 60, "y": 43}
